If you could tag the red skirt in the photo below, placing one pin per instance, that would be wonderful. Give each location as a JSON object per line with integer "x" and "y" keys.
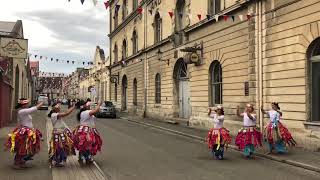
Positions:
{"x": 248, "y": 136}
{"x": 87, "y": 139}
{"x": 218, "y": 137}
{"x": 61, "y": 145}
{"x": 24, "y": 141}
{"x": 279, "y": 133}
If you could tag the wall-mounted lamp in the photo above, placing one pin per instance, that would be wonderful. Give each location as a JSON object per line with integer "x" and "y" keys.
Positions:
{"x": 160, "y": 55}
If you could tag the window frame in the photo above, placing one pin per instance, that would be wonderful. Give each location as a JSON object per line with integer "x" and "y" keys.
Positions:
{"x": 158, "y": 89}
{"x": 215, "y": 82}
{"x": 134, "y": 42}
{"x": 213, "y": 8}
{"x": 157, "y": 28}
{"x": 135, "y": 92}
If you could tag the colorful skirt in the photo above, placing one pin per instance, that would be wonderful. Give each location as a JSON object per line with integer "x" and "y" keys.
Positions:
{"x": 87, "y": 140}
{"x": 278, "y": 136}
{"x": 24, "y": 142}
{"x": 61, "y": 146}
{"x": 217, "y": 139}
{"x": 248, "y": 139}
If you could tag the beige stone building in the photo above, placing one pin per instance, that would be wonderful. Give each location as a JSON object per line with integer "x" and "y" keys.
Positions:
{"x": 175, "y": 67}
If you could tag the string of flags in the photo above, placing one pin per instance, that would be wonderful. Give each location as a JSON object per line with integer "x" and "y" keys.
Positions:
{"x": 57, "y": 60}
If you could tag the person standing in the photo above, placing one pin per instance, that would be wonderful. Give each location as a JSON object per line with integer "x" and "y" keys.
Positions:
{"x": 61, "y": 143}
{"x": 87, "y": 139}
{"x": 24, "y": 141}
{"x": 249, "y": 137}
{"x": 277, "y": 135}
{"x": 218, "y": 137}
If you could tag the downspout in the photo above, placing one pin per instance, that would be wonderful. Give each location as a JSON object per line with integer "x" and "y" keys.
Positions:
{"x": 260, "y": 63}
{"x": 145, "y": 65}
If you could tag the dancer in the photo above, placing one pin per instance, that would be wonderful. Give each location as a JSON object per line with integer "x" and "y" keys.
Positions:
{"x": 24, "y": 141}
{"x": 276, "y": 133}
{"x": 218, "y": 137}
{"x": 86, "y": 137}
{"x": 61, "y": 143}
{"x": 249, "y": 137}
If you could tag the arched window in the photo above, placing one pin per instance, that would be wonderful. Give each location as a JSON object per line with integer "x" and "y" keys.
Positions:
{"x": 313, "y": 55}
{"x": 115, "y": 92}
{"x": 135, "y": 4}
{"x": 116, "y": 18}
{"x": 157, "y": 28}
{"x": 135, "y": 92}
{"x": 180, "y": 14}
{"x": 158, "y": 89}
{"x": 124, "y": 9}
{"x": 124, "y": 49}
{"x": 215, "y": 83}
{"x": 115, "y": 52}
{"x": 214, "y": 7}
{"x": 134, "y": 42}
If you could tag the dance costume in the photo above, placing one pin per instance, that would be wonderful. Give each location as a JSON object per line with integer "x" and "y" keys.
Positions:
{"x": 218, "y": 137}
{"x": 24, "y": 141}
{"x": 61, "y": 143}
{"x": 277, "y": 134}
{"x": 87, "y": 139}
{"x": 249, "y": 137}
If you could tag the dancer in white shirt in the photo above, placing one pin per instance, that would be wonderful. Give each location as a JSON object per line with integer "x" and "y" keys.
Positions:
{"x": 218, "y": 137}
{"x": 61, "y": 143}
{"x": 24, "y": 141}
{"x": 87, "y": 139}
{"x": 276, "y": 133}
{"x": 249, "y": 137}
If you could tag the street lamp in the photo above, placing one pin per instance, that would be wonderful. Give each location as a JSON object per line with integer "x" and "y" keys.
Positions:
{"x": 160, "y": 55}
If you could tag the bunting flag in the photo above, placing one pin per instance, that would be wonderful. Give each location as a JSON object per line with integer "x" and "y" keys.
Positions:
{"x": 216, "y": 17}
{"x": 117, "y": 7}
{"x": 248, "y": 16}
{"x": 35, "y": 56}
{"x": 233, "y": 18}
{"x": 241, "y": 17}
{"x": 170, "y": 14}
{"x": 94, "y": 2}
{"x": 150, "y": 11}
{"x": 225, "y": 17}
{"x": 68, "y": 62}
{"x": 199, "y": 17}
{"x": 208, "y": 16}
{"x": 72, "y": 62}
{"x": 107, "y": 4}
{"x": 140, "y": 10}
{"x": 82, "y": 1}
{"x": 40, "y": 57}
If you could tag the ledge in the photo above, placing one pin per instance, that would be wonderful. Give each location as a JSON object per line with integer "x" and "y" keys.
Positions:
{"x": 312, "y": 123}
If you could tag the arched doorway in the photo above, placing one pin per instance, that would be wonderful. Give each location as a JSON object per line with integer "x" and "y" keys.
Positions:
{"x": 16, "y": 85}
{"x": 124, "y": 93}
{"x": 313, "y": 55}
{"x": 182, "y": 88}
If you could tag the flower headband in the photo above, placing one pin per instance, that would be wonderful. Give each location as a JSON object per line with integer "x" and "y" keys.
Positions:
{"x": 23, "y": 102}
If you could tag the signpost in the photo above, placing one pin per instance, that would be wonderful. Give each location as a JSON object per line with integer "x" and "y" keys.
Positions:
{"x": 14, "y": 48}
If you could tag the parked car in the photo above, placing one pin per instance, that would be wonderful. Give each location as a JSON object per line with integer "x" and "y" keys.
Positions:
{"x": 107, "y": 109}
{"x": 45, "y": 101}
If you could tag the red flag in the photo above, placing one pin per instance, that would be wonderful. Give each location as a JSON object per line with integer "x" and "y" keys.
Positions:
{"x": 199, "y": 16}
{"x": 107, "y": 4}
{"x": 225, "y": 17}
{"x": 170, "y": 14}
{"x": 248, "y": 16}
{"x": 140, "y": 10}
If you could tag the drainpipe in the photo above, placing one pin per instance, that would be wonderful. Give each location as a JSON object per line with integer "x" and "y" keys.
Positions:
{"x": 260, "y": 63}
{"x": 145, "y": 66}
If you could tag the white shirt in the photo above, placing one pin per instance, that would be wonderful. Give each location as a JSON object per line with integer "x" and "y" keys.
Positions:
{"x": 86, "y": 119}
{"x": 217, "y": 120}
{"x": 24, "y": 117}
{"x": 247, "y": 121}
{"x": 57, "y": 123}
{"x": 274, "y": 116}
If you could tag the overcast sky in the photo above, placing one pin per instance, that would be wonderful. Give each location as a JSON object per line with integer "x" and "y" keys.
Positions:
{"x": 60, "y": 29}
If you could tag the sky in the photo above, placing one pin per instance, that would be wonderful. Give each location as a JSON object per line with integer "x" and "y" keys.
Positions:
{"x": 60, "y": 29}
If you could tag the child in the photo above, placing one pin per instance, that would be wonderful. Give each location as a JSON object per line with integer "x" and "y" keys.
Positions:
{"x": 276, "y": 134}
{"x": 218, "y": 137}
{"x": 86, "y": 137}
{"x": 24, "y": 141}
{"x": 61, "y": 144}
{"x": 249, "y": 137}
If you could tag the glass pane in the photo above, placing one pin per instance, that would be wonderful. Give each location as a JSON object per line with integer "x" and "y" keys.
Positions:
{"x": 315, "y": 91}
{"x": 217, "y": 95}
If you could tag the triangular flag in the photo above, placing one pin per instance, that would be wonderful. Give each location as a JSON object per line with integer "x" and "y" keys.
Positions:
{"x": 208, "y": 16}
{"x": 199, "y": 16}
{"x": 57, "y": 60}
{"x": 248, "y": 16}
{"x": 51, "y": 59}
{"x": 140, "y": 10}
{"x": 216, "y": 17}
{"x": 241, "y": 17}
{"x": 40, "y": 57}
{"x": 72, "y": 62}
{"x": 107, "y": 4}
{"x": 225, "y": 17}
{"x": 94, "y": 2}
{"x": 82, "y": 1}
{"x": 117, "y": 7}
{"x": 150, "y": 11}
{"x": 68, "y": 62}
{"x": 46, "y": 58}
{"x": 233, "y": 18}
{"x": 35, "y": 56}
{"x": 170, "y": 14}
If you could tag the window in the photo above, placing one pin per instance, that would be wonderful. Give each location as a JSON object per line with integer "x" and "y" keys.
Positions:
{"x": 115, "y": 92}
{"x": 135, "y": 91}
{"x": 134, "y": 42}
{"x": 214, "y": 7}
{"x": 124, "y": 9}
{"x": 115, "y": 52}
{"x": 215, "y": 84}
{"x": 124, "y": 49}
{"x": 157, "y": 28}
{"x": 116, "y": 18}
{"x": 158, "y": 89}
{"x": 313, "y": 55}
{"x": 135, "y": 4}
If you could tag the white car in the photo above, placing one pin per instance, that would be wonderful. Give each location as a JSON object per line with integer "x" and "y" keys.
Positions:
{"x": 45, "y": 101}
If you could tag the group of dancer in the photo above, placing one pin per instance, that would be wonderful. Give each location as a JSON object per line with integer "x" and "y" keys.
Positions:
{"x": 249, "y": 136}
{"x": 24, "y": 141}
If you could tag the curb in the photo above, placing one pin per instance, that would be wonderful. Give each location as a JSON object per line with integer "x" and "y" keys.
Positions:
{"x": 286, "y": 161}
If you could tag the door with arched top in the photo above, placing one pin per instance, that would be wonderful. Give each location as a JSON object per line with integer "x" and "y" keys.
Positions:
{"x": 124, "y": 93}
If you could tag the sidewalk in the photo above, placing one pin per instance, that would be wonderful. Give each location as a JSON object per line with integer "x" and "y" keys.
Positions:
{"x": 296, "y": 156}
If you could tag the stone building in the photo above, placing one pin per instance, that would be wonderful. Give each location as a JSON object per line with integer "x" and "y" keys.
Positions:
{"x": 174, "y": 59}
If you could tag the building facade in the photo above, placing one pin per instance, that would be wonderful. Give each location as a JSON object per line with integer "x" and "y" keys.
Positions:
{"x": 175, "y": 59}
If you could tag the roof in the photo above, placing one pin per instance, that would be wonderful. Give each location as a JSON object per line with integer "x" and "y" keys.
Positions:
{"x": 11, "y": 29}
